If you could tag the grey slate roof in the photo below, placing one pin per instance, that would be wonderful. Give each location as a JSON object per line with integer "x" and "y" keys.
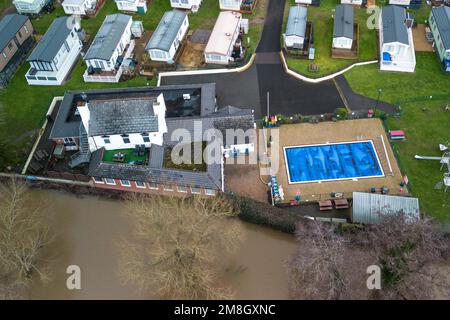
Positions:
{"x": 52, "y": 41}
{"x": 394, "y": 28}
{"x": 108, "y": 37}
{"x": 121, "y": 116}
{"x": 167, "y": 30}
{"x": 442, "y": 17}
{"x": 370, "y": 207}
{"x": 343, "y": 21}
{"x": 296, "y": 24}
{"x": 9, "y": 26}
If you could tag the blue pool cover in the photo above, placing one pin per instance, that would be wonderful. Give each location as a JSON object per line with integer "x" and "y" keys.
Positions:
{"x": 332, "y": 162}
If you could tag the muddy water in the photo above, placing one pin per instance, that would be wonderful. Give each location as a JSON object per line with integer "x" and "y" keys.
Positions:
{"x": 87, "y": 228}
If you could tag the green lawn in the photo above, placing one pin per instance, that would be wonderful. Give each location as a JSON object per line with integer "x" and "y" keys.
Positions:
{"x": 108, "y": 156}
{"x": 424, "y": 129}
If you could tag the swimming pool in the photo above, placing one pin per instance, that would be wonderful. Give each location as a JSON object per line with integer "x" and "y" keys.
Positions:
{"x": 333, "y": 161}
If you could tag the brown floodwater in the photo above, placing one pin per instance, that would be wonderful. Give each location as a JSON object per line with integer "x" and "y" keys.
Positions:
{"x": 87, "y": 229}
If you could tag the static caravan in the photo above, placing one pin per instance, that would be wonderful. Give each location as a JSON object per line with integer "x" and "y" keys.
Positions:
{"x": 294, "y": 36}
{"x": 308, "y": 2}
{"x": 234, "y": 5}
{"x": 167, "y": 38}
{"x": 139, "y": 6}
{"x": 16, "y": 40}
{"x": 439, "y": 21}
{"x": 79, "y": 7}
{"x": 192, "y": 5}
{"x": 110, "y": 47}
{"x": 352, "y": 2}
{"x": 224, "y": 38}
{"x": 31, "y": 6}
{"x": 56, "y": 53}
{"x": 343, "y": 33}
{"x": 400, "y": 2}
{"x": 396, "y": 40}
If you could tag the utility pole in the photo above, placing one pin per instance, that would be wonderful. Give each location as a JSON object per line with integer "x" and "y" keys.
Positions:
{"x": 378, "y": 99}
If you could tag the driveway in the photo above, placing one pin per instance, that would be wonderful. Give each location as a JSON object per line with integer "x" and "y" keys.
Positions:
{"x": 248, "y": 89}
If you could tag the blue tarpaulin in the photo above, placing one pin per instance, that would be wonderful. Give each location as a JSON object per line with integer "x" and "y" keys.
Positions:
{"x": 386, "y": 56}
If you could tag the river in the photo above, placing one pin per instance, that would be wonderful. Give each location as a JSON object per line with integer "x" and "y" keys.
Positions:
{"x": 86, "y": 231}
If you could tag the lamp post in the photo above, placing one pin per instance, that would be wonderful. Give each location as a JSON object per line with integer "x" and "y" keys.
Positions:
{"x": 378, "y": 99}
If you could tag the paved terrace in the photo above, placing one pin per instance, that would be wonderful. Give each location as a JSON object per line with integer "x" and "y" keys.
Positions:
{"x": 332, "y": 132}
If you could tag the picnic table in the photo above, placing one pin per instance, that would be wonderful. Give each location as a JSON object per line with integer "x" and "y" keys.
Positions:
{"x": 325, "y": 205}
{"x": 341, "y": 203}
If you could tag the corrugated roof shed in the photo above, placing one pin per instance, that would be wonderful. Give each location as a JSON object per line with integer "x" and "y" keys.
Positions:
{"x": 9, "y": 26}
{"x": 369, "y": 208}
{"x": 296, "y": 24}
{"x": 167, "y": 30}
{"x": 394, "y": 27}
{"x": 108, "y": 37}
{"x": 343, "y": 21}
{"x": 52, "y": 40}
{"x": 442, "y": 18}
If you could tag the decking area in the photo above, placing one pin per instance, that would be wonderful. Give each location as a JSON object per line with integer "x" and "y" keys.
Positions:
{"x": 327, "y": 133}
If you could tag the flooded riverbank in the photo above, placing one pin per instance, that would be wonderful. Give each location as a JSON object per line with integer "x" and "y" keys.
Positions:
{"x": 87, "y": 228}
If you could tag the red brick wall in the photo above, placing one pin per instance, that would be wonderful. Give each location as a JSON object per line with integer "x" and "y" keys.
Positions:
{"x": 147, "y": 189}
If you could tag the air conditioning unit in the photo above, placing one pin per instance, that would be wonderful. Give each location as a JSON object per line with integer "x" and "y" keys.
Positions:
{"x": 186, "y": 96}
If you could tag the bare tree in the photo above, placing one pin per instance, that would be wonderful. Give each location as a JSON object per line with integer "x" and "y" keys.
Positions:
{"x": 23, "y": 234}
{"x": 408, "y": 251}
{"x": 316, "y": 270}
{"x": 331, "y": 263}
{"x": 177, "y": 245}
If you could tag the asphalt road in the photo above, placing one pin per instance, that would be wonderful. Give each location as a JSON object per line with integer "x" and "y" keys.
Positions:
{"x": 288, "y": 95}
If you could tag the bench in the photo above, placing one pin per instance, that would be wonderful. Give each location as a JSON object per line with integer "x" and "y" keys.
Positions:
{"x": 341, "y": 204}
{"x": 325, "y": 205}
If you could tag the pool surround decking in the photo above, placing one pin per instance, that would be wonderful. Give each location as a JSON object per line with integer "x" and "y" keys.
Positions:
{"x": 337, "y": 132}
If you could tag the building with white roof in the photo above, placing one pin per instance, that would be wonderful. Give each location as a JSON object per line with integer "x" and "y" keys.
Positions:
{"x": 224, "y": 38}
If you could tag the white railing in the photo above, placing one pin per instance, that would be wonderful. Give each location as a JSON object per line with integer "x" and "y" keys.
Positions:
{"x": 110, "y": 78}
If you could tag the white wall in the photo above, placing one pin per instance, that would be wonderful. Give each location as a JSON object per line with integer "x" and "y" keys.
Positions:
{"x": 230, "y": 5}
{"x": 116, "y": 141}
{"x": 400, "y": 2}
{"x": 131, "y": 6}
{"x": 78, "y": 9}
{"x": 290, "y": 41}
{"x": 355, "y": 2}
{"x": 342, "y": 43}
{"x": 27, "y": 7}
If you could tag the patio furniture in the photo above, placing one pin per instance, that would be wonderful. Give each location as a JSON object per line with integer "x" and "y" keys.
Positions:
{"x": 341, "y": 204}
{"x": 119, "y": 157}
{"x": 325, "y": 205}
{"x": 142, "y": 150}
